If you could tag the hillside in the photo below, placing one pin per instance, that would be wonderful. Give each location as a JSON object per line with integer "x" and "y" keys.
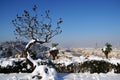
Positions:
{"x": 11, "y": 48}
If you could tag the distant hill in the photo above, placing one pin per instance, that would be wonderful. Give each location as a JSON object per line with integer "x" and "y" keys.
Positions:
{"x": 8, "y": 48}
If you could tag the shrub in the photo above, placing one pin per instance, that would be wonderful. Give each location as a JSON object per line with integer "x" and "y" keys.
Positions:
{"x": 92, "y": 66}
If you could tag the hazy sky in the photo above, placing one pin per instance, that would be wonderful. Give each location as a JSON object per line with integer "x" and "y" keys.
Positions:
{"x": 86, "y": 22}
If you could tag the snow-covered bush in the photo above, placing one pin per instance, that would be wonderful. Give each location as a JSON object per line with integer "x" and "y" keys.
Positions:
{"x": 54, "y": 51}
{"x": 75, "y": 65}
{"x": 107, "y": 49}
{"x": 14, "y": 66}
{"x": 92, "y": 66}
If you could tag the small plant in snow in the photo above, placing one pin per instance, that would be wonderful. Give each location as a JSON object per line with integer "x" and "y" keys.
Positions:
{"x": 54, "y": 44}
{"x": 107, "y": 49}
{"x": 54, "y": 51}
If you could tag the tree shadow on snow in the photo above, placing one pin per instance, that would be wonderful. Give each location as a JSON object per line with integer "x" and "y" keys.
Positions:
{"x": 61, "y": 76}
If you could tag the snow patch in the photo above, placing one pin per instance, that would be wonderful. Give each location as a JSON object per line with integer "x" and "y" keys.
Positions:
{"x": 9, "y": 62}
{"x": 53, "y": 48}
{"x": 104, "y": 48}
{"x": 43, "y": 72}
{"x": 6, "y": 63}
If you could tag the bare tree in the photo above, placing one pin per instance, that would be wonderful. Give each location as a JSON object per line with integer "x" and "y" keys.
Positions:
{"x": 39, "y": 29}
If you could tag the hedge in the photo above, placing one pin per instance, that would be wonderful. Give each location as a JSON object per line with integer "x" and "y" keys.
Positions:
{"x": 92, "y": 66}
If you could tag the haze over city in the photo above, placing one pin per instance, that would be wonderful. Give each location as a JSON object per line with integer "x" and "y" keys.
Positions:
{"x": 85, "y": 22}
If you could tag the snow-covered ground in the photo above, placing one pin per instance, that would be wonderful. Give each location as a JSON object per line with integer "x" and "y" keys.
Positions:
{"x": 66, "y": 76}
{"x": 88, "y": 76}
{"x": 47, "y": 73}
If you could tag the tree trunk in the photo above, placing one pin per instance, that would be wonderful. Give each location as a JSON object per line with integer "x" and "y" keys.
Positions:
{"x": 106, "y": 55}
{"x": 54, "y": 53}
{"x": 25, "y": 51}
